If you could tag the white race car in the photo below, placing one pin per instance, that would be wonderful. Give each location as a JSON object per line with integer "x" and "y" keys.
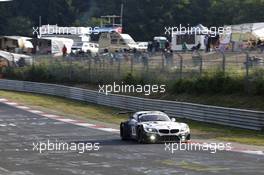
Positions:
{"x": 154, "y": 127}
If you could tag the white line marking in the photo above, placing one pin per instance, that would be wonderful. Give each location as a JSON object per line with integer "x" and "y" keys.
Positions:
{"x": 84, "y": 124}
{"x": 3, "y": 100}
{"x": 50, "y": 116}
{"x": 22, "y": 107}
{"x": 35, "y": 111}
{"x": 249, "y": 152}
{"x": 66, "y": 120}
{"x": 108, "y": 129}
{"x": 11, "y": 103}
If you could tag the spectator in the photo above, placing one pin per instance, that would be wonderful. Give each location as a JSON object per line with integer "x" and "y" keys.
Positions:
{"x": 157, "y": 46}
{"x": 260, "y": 45}
{"x": 64, "y": 51}
{"x": 197, "y": 47}
{"x": 168, "y": 57}
{"x": 206, "y": 43}
{"x": 150, "y": 47}
{"x": 167, "y": 45}
{"x": 184, "y": 47}
{"x": 145, "y": 60}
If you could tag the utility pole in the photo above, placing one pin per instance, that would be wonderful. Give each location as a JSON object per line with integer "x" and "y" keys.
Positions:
{"x": 39, "y": 21}
{"x": 121, "y": 14}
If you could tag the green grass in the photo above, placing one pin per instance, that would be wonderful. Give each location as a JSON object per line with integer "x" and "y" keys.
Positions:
{"x": 66, "y": 107}
{"x": 85, "y": 111}
{"x": 252, "y": 102}
{"x": 225, "y": 133}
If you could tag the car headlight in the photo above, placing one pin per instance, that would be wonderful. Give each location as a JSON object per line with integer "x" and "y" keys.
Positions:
{"x": 185, "y": 128}
{"x": 151, "y": 130}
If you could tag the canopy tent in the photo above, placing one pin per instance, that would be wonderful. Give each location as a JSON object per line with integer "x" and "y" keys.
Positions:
{"x": 244, "y": 32}
{"x": 196, "y": 30}
{"x": 53, "y": 45}
{"x": 190, "y": 35}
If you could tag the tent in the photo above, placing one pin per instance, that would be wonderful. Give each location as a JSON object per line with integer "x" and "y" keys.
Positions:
{"x": 244, "y": 32}
{"x": 191, "y": 36}
{"x": 241, "y": 34}
{"x": 52, "y": 45}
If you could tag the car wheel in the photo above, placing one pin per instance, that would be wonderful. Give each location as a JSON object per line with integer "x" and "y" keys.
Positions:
{"x": 140, "y": 136}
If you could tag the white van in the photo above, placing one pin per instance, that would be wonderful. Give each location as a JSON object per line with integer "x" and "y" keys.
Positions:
{"x": 143, "y": 46}
{"x": 85, "y": 47}
{"x": 116, "y": 41}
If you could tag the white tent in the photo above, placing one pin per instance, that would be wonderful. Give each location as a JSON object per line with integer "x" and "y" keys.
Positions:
{"x": 241, "y": 34}
{"x": 247, "y": 31}
{"x": 191, "y": 36}
{"x": 58, "y": 43}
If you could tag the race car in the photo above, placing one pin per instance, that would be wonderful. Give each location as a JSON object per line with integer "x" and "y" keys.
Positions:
{"x": 154, "y": 127}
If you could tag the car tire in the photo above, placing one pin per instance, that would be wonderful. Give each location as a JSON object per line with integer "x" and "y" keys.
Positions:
{"x": 140, "y": 135}
{"x": 124, "y": 132}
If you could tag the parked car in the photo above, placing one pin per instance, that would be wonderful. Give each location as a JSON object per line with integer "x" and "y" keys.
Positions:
{"x": 93, "y": 48}
{"x": 143, "y": 46}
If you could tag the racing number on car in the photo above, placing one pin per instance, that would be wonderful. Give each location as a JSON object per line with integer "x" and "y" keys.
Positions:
{"x": 133, "y": 129}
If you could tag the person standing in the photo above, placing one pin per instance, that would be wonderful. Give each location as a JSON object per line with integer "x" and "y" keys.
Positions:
{"x": 206, "y": 43}
{"x": 64, "y": 51}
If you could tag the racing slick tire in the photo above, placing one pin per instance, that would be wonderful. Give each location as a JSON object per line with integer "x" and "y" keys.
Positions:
{"x": 124, "y": 131}
{"x": 141, "y": 135}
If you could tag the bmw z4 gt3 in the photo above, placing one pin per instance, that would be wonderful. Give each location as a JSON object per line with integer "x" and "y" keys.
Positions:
{"x": 154, "y": 127}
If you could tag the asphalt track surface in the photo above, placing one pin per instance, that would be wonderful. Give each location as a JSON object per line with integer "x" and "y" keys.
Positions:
{"x": 19, "y": 129}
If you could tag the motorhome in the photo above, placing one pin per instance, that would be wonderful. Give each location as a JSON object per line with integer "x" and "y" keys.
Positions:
{"x": 116, "y": 41}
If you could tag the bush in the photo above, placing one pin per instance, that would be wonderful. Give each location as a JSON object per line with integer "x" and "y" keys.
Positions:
{"x": 209, "y": 83}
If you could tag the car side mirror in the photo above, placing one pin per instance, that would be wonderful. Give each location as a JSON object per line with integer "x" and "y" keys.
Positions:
{"x": 173, "y": 119}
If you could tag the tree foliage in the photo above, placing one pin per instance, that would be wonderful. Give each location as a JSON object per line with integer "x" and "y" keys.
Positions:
{"x": 143, "y": 19}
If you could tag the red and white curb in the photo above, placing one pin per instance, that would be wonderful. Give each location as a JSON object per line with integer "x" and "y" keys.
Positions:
{"x": 232, "y": 149}
{"x": 58, "y": 118}
{"x": 102, "y": 128}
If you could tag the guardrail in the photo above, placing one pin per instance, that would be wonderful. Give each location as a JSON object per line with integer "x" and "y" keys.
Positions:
{"x": 241, "y": 118}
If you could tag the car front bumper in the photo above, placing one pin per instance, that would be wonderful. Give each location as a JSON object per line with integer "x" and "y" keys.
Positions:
{"x": 157, "y": 138}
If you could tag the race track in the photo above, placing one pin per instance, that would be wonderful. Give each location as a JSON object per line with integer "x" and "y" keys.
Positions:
{"x": 19, "y": 129}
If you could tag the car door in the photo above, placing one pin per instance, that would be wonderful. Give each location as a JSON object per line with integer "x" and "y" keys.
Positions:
{"x": 133, "y": 125}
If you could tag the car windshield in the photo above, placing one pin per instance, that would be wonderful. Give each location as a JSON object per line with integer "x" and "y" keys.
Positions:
{"x": 147, "y": 118}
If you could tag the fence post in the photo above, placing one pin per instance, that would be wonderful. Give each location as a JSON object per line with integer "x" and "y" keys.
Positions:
{"x": 224, "y": 62}
{"x": 119, "y": 67}
{"x": 181, "y": 64}
{"x": 247, "y": 73}
{"x": 247, "y": 65}
{"x": 131, "y": 64}
{"x": 89, "y": 69}
{"x": 70, "y": 73}
{"x": 201, "y": 63}
{"x": 162, "y": 61}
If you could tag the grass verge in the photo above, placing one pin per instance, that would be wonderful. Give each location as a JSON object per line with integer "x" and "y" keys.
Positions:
{"x": 85, "y": 111}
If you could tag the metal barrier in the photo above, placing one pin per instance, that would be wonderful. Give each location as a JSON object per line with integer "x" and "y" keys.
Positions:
{"x": 241, "y": 118}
